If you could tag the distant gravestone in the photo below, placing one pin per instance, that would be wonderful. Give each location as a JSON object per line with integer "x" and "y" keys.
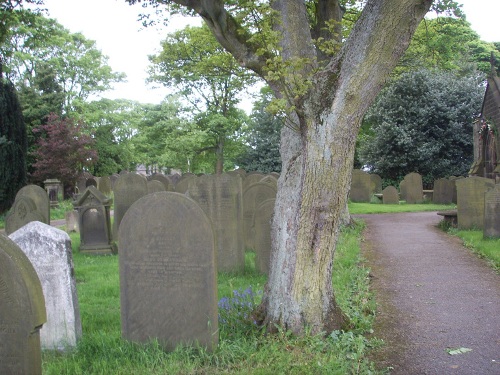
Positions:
{"x": 376, "y": 183}
{"x": 402, "y": 190}
{"x": 251, "y": 178}
{"x": 360, "y": 186}
{"x": 262, "y": 235}
{"x": 94, "y": 222}
{"x": 443, "y": 191}
{"x": 413, "y": 188}
{"x": 128, "y": 188}
{"x": 91, "y": 181}
{"x": 155, "y": 186}
{"x": 55, "y": 191}
{"x": 168, "y": 279}
{"x": 21, "y": 213}
{"x": 81, "y": 184}
{"x": 114, "y": 178}
{"x": 165, "y": 180}
{"x": 470, "y": 201}
{"x": 105, "y": 185}
{"x": 71, "y": 219}
{"x": 22, "y": 312}
{"x": 492, "y": 213}
{"x": 49, "y": 250}
{"x": 253, "y": 196}
{"x": 182, "y": 185}
{"x": 220, "y": 197}
{"x": 40, "y": 198}
{"x": 390, "y": 195}
{"x": 270, "y": 180}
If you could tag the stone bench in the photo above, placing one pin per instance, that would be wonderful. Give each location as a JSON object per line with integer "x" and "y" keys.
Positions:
{"x": 450, "y": 217}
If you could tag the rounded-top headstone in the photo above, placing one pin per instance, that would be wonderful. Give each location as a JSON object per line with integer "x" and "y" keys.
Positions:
{"x": 40, "y": 198}
{"x": 22, "y": 212}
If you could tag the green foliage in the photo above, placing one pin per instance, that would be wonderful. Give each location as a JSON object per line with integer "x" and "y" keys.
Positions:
{"x": 370, "y": 208}
{"x": 487, "y": 248}
{"x": 13, "y": 144}
{"x": 422, "y": 123}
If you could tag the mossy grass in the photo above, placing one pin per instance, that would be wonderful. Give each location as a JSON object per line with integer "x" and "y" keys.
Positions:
{"x": 371, "y": 208}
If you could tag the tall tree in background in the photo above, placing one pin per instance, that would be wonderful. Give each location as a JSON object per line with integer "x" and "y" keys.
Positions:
{"x": 13, "y": 144}
{"x": 326, "y": 98}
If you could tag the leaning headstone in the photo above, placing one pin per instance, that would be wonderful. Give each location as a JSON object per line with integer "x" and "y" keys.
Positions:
{"x": 376, "y": 183}
{"x": 40, "y": 198}
{"x": 492, "y": 213}
{"x": 220, "y": 197}
{"x": 168, "y": 278}
{"x": 22, "y": 312}
{"x": 128, "y": 188}
{"x": 390, "y": 195}
{"x": 262, "y": 235}
{"x": 360, "y": 186}
{"x": 49, "y": 250}
{"x": 254, "y": 195}
{"x": 21, "y": 213}
{"x": 414, "y": 188}
{"x": 155, "y": 186}
{"x": 443, "y": 191}
{"x": 105, "y": 185}
{"x": 470, "y": 201}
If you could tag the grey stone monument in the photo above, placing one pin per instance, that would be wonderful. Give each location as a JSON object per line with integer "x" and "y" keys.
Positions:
{"x": 492, "y": 213}
{"x": 181, "y": 186}
{"x": 376, "y": 183}
{"x": 413, "y": 188}
{"x": 155, "y": 186}
{"x": 470, "y": 201}
{"x": 390, "y": 195}
{"x": 105, "y": 185}
{"x": 262, "y": 235}
{"x": 168, "y": 278}
{"x": 443, "y": 191}
{"x": 360, "y": 186}
{"x": 21, "y": 213}
{"x": 165, "y": 180}
{"x": 40, "y": 198}
{"x": 49, "y": 250}
{"x": 55, "y": 190}
{"x": 22, "y": 312}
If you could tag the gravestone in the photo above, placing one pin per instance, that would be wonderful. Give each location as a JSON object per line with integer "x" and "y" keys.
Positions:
{"x": 71, "y": 219}
{"x": 128, "y": 188}
{"x": 262, "y": 235}
{"x": 492, "y": 213}
{"x": 105, "y": 185}
{"x": 91, "y": 181}
{"x": 443, "y": 191}
{"x": 165, "y": 180}
{"x": 49, "y": 250}
{"x": 360, "y": 186}
{"x": 168, "y": 278}
{"x": 413, "y": 188}
{"x": 254, "y": 195}
{"x": 55, "y": 191}
{"x": 376, "y": 184}
{"x": 251, "y": 178}
{"x": 155, "y": 186}
{"x": 22, "y": 312}
{"x": 81, "y": 184}
{"x": 182, "y": 184}
{"x": 402, "y": 190}
{"x": 470, "y": 201}
{"x": 390, "y": 195}
{"x": 94, "y": 222}
{"x": 40, "y": 198}
{"x": 220, "y": 197}
{"x": 270, "y": 180}
{"x": 114, "y": 177}
{"x": 21, "y": 213}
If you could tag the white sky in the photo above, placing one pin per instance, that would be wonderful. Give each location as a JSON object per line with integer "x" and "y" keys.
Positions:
{"x": 113, "y": 25}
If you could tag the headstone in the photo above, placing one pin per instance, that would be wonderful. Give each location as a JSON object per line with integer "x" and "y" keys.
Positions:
{"x": 22, "y": 312}
{"x": 270, "y": 180}
{"x": 402, "y": 190}
{"x": 262, "y": 235}
{"x": 165, "y": 180}
{"x": 182, "y": 184}
{"x": 254, "y": 195}
{"x": 71, "y": 219}
{"x": 55, "y": 190}
{"x": 168, "y": 279}
{"x": 443, "y": 191}
{"x": 220, "y": 197}
{"x": 81, "y": 183}
{"x": 105, "y": 185}
{"x": 155, "y": 186}
{"x": 21, "y": 213}
{"x": 390, "y": 195}
{"x": 91, "y": 181}
{"x": 94, "y": 222}
{"x": 414, "y": 188}
{"x": 470, "y": 201}
{"x": 128, "y": 188}
{"x": 492, "y": 213}
{"x": 360, "y": 186}
{"x": 49, "y": 250}
{"x": 376, "y": 184}
{"x": 40, "y": 198}
{"x": 251, "y": 178}
{"x": 114, "y": 178}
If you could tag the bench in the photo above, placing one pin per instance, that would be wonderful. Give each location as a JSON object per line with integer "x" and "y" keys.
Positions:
{"x": 450, "y": 217}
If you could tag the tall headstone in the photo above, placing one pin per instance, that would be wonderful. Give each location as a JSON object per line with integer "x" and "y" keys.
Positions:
{"x": 414, "y": 188}
{"x": 390, "y": 195}
{"x": 262, "y": 235}
{"x": 251, "y": 178}
{"x": 376, "y": 183}
{"x": 155, "y": 186}
{"x": 55, "y": 191}
{"x": 181, "y": 186}
{"x": 470, "y": 201}
{"x": 492, "y": 213}
{"x": 360, "y": 186}
{"x": 443, "y": 191}
{"x": 128, "y": 188}
{"x": 49, "y": 250}
{"x": 402, "y": 190}
{"x": 165, "y": 180}
{"x": 105, "y": 185}
{"x": 168, "y": 278}
{"x": 220, "y": 197}
{"x": 21, "y": 213}
{"x": 40, "y": 198}
{"x": 270, "y": 180}
{"x": 22, "y": 312}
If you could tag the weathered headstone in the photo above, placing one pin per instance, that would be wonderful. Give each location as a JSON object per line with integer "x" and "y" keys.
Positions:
{"x": 470, "y": 201}
{"x": 182, "y": 185}
{"x": 94, "y": 222}
{"x": 254, "y": 195}
{"x": 262, "y": 235}
{"x": 390, "y": 195}
{"x": 402, "y": 190}
{"x": 270, "y": 180}
{"x": 360, "y": 186}
{"x": 55, "y": 190}
{"x": 220, "y": 197}
{"x": 22, "y": 312}
{"x": 21, "y": 213}
{"x": 91, "y": 181}
{"x": 49, "y": 250}
{"x": 492, "y": 213}
{"x": 251, "y": 178}
{"x": 105, "y": 185}
{"x": 155, "y": 186}
{"x": 443, "y": 191}
{"x": 168, "y": 278}
{"x": 40, "y": 198}
{"x": 71, "y": 219}
{"x": 413, "y": 188}
{"x": 128, "y": 188}
{"x": 165, "y": 180}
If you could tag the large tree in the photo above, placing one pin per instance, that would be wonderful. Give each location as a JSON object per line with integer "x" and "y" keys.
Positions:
{"x": 327, "y": 97}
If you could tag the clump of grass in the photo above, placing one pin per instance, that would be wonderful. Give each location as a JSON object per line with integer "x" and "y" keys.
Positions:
{"x": 59, "y": 212}
{"x": 486, "y": 248}
{"x": 370, "y": 208}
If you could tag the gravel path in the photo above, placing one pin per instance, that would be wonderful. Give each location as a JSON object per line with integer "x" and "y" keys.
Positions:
{"x": 432, "y": 294}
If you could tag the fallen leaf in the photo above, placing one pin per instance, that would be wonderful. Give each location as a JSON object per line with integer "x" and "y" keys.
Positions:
{"x": 455, "y": 351}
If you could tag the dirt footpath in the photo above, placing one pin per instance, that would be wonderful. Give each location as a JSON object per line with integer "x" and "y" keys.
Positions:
{"x": 433, "y": 294}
